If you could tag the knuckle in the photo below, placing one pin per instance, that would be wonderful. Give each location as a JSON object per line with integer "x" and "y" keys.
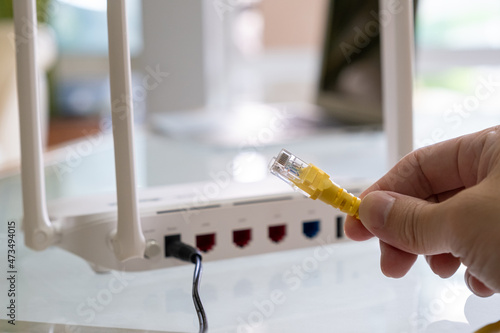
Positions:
{"x": 453, "y": 217}
{"x": 415, "y": 230}
{"x": 410, "y": 229}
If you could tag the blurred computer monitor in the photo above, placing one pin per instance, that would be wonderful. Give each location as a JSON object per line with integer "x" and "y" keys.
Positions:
{"x": 350, "y": 87}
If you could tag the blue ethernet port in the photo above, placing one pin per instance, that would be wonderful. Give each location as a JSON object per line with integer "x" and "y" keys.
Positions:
{"x": 310, "y": 228}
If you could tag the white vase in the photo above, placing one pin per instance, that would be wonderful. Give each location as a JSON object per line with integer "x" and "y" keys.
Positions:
{"x": 9, "y": 119}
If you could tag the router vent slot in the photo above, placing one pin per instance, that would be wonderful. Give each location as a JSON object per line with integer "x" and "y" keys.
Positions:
{"x": 140, "y": 201}
{"x": 171, "y": 211}
{"x": 178, "y": 210}
{"x": 204, "y": 207}
{"x": 252, "y": 202}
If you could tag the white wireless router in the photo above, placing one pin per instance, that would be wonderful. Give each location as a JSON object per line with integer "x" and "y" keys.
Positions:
{"x": 119, "y": 233}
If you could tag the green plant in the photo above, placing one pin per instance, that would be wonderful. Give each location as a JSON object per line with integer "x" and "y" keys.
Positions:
{"x": 42, "y": 6}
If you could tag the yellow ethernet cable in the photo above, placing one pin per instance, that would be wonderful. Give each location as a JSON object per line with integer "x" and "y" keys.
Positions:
{"x": 313, "y": 182}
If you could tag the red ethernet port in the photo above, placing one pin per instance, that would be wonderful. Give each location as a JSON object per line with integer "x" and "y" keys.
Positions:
{"x": 277, "y": 232}
{"x": 205, "y": 242}
{"x": 242, "y": 237}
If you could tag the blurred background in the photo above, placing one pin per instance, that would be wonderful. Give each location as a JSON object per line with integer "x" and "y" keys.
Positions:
{"x": 216, "y": 59}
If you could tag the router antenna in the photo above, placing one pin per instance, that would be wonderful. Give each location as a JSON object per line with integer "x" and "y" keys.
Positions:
{"x": 128, "y": 240}
{"x": 397, "y": 40}
{"x": 39, "y": 231}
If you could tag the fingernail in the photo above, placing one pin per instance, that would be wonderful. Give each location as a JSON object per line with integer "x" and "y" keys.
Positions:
{"x": 375, "y": 208}
{"x": 467, "y": 281}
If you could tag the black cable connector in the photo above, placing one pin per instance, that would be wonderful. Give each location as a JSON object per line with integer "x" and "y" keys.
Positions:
{"x": 184, "y": 252}
{"x": 179, "y": 250}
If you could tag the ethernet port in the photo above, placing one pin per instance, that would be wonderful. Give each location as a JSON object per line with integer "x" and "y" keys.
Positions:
{"x": 205, "y": 242}
{"x": 340, "y": 227}
{"x": 242, "y": 237}
{"x": 310, "y": 228}
{"x": 277, "y": 232}
{"x": 169, "y": 240}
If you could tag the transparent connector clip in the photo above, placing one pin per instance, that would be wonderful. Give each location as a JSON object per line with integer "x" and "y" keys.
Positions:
{"x": 288, "y": 168}
{"x": 313, "y": 182}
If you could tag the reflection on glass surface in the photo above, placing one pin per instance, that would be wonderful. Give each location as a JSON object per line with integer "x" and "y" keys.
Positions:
{"x": 324, "y": 288}
{"x": 249, "y": 167}
{"x": 25, "y": 326}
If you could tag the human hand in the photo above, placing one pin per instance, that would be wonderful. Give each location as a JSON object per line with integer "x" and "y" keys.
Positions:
{"x": 442, "y": 201}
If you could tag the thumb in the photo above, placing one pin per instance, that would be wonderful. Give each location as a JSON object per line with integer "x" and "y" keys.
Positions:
{"x": 410, "y": 224}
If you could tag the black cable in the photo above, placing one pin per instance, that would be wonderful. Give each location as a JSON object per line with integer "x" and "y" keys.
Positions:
{"x": 185, "y": 252}
{"x": 202, "y": 318}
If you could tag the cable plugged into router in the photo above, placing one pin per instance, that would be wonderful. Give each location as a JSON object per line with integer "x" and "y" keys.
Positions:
{"x": 177, "y": 249}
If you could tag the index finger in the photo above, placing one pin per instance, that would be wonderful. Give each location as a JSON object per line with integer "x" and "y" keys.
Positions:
{"x": 432, "y": 170}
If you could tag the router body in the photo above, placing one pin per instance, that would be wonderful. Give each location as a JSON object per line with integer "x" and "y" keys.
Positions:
{"x": 244, "y": 219}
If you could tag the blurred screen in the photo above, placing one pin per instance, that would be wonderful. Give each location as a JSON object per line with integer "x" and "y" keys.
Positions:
{"x": 350, "y": 86}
